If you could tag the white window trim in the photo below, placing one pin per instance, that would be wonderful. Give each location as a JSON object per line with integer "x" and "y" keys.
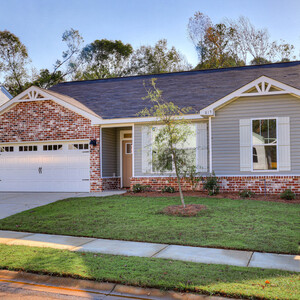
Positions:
{"x": 277, "y": 161}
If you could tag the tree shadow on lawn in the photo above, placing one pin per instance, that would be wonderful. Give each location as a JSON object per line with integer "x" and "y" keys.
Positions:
{"x": 152, "y": 272}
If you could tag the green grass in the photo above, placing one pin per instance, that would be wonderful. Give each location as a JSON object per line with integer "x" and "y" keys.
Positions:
{"x": 153, "y": 272}
{"x": 235, "y": 224}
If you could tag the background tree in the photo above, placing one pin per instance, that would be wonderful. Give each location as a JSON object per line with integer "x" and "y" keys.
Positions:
{"x": 158, "y": 59}
{"x": 213, "y": 43}
{"x": 217, "y": 51}
{"x": 104, "y": 59}
{"x": 254, "y": 45}
{"x": 169, "y": 137}
{"x": 234, "y": 43}
{"x": 65, "y": 67}
{"x": 13, "y": 62}
{"x": 254, "y": 42}
{"x": 197, "y": 29}
{"x": 283, "y": 51}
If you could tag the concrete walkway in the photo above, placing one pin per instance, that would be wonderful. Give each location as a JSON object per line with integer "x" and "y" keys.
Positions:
{"x": 13, "y": 203}
{"x": 127, "y": 248}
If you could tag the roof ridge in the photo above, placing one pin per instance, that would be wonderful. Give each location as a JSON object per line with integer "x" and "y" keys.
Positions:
{"x": 296, "y": 62}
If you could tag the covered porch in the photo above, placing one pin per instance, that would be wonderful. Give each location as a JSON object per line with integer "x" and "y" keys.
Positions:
{"x": 116, "y": 157}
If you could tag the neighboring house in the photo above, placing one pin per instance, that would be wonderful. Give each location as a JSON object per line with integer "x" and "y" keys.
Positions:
{"x": 86, "y": 135}
{"x": 4, "y": 95}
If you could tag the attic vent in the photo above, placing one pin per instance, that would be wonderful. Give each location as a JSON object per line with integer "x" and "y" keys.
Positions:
{"x": 26, "y": 97}
{"x": 32, "y": 95}
{"x": 263, "y": 88}
{"x": 274, "y": 89}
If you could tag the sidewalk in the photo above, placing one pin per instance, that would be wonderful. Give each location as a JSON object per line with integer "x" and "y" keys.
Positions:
{"x": 127, "y": 248}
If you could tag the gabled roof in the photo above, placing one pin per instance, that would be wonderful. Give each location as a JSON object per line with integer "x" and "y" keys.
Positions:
{"x": 38, "y": 94}
{"x": 262, "y": 86}
{"x": 122, "y": 97}
{"x": 4, "y": 95}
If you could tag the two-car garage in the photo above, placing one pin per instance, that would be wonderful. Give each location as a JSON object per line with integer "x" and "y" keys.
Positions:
{"x": 45, "y": 167}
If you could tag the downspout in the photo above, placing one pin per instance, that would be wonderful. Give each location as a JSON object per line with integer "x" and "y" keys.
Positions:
{"x": 210, "y": 145}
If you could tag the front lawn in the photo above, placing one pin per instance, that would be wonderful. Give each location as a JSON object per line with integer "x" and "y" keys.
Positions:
{"x": 237, "y": 282}
{"x": 236, "y": 224}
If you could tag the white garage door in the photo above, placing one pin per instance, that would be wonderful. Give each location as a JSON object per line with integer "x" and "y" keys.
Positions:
{"x": 45, "y": 167}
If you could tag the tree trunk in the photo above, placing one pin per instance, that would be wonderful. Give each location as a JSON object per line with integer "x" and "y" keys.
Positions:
{"x": 178, "y": 180}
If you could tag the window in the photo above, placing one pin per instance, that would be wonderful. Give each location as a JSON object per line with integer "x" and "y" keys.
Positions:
{"x": 6, "y": 149}
{"x": 128, "y": 148}
{"x": 255, "y": 159}
{"x": 81, "y": 146}
{"x": 264, "y": 142}
{"x": 189, "y": 147}
{"x": 28, "y": 148}
{"x": 127, "y": 135}
{"x": 54, "y": 147}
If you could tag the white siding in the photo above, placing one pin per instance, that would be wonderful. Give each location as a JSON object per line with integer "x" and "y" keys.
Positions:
{"x": 284, "y": 149}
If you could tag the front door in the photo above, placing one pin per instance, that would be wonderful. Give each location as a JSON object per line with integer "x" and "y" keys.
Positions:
{"x": 126, "y": 162}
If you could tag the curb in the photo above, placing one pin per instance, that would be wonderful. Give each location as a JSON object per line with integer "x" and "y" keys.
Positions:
{"x": 67, "y": 284}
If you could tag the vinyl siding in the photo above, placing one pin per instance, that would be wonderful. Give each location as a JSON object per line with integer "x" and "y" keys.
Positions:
{"x": 109, "y": 152}
{"x": 138, "y": 154}
{"x": 225, "y": 131}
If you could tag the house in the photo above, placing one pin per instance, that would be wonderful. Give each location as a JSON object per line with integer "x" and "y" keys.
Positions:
{"x": 4, "y": 95}
{"x": 86, "y": 136}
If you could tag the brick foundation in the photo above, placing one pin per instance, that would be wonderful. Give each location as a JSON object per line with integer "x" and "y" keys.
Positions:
{"x": 257, "y": 184}
{"x": 112, "y": 183}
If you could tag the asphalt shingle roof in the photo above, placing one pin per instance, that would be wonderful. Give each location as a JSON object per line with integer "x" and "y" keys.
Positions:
{"x": 122, "y": 97}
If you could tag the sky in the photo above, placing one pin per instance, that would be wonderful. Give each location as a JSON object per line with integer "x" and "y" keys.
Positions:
{"x": 40, "y": 23}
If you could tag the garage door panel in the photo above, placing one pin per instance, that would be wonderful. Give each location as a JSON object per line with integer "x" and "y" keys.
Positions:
{"x": 45, "y": 171}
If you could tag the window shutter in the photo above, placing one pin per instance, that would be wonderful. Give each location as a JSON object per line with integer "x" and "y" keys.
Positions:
{"x": 146, "y": 149}
{"x": 201, "y": 147}
{"x": 245, "y": 145}
{"x": 284, "y": 152}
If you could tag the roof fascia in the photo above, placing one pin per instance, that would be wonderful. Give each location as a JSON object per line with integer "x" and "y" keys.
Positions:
{"x": 266, "y": 81}
{"x": 143, "y": 120}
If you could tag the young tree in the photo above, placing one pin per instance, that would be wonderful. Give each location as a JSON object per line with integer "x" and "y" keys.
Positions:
{"x": 171, "y": 136}
{"x": 13, "y": 61}
{"x": 158, "y": 59}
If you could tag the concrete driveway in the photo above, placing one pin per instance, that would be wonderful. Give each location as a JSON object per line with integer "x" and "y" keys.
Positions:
{"x": 12, "y": 203}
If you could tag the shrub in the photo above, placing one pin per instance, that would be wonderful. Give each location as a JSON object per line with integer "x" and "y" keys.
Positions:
{"x": 193, "y": 176}
{"x": 211, "y": 184}
{"x": 138, "y": 188}
{"x": 246, "y": 193}
{"x": 288, "y": 195}
{"x": 168, "y": 189}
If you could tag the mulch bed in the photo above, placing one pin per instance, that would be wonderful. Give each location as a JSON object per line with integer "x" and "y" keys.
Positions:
{"x": 271, "y": 197}
{"x": 178, "y": 210}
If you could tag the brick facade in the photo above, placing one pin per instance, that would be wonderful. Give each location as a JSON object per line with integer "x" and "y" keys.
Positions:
{"x": 112, "y": 183}
{"x": 49, "y": 121}
{"x": 257, "y": 184}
